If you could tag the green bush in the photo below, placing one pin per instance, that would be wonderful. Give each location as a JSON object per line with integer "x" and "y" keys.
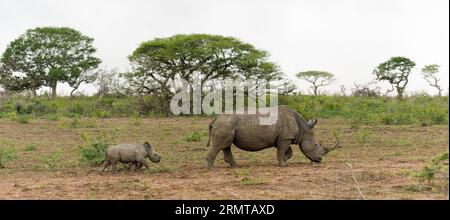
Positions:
{"x": 357, "y": 111}
{"x": 437, "y": 166}
{"x": 7, "y": 155}
{"x": 74, "y": 110}
{"x": 94, "y": 151}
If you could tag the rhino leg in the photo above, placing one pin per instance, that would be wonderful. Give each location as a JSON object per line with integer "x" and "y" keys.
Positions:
{"x": 282, "y": 148}
{"x": 221, "y": 139}
{"x": 142, "y": 161}
{"x": 106, "y": 164}
{"x": 212, "y": 154}
{"x": 114, "y": 166}
{"x": 228, "y": 157}
{"x": 288, "y": 154}
{"x": 146, "y": 165}
{"x": 136, "y": 166}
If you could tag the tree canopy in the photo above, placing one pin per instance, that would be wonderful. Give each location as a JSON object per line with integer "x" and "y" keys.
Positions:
{"x": 429, "y": 73}
{"x": 198, "y": 56}
{"x": 396, "y": 71}
{"x": 317, "y": 79}
{"x": 44, "y": 56}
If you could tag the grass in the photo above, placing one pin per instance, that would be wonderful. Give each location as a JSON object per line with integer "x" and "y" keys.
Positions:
{"x": 246, "y": 181}
{"x": 7, "y": 155}
{"x": 161, "y": 169}
{"x": 182, "y": 170}
{"x": 136, "y": 120}
{"x": 363, "y": 136}
{"x": 31, "y": 147}
{"x": 193, "y": 137}
{"x": 52, "y": 160}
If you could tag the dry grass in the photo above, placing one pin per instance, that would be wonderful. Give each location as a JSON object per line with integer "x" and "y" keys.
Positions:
{"x": 380, "y": 157}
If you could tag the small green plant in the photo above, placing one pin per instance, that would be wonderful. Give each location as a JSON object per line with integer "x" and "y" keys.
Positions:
{"x": 416, "y": 188}
{"x": 102, "y": 113}
{"x": 23, "y": 119}
{"x": 431, "y": 170}
{"x": 52, "y": 160}
{"x": 162, "y": 169}
{"x": 7, "y": 155}
{"x": 31, "y": 147}
{"x": 90, "y": 123}
{"x": 363, "y": 136}
{"x": 136, "y": 120}
{"x": 193, "y": 137}
{"x": 73, "y": 123}
{"x": 53, "y": 117}
{"x": 93, "y": 152}
{"x": 251, "y": 182}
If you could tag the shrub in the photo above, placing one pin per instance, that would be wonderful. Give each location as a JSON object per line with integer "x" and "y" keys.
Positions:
{"x": 23, "y": 119}
{"x": 437, "y": 166}
{"x": 7, "y": 155}
{"x": 75, "y": 110}
{"x": 357, "y": 111}
{"x": 94, "y": 151}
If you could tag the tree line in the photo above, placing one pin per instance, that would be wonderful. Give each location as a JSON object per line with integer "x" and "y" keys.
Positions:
{"x": 47, "y": 56}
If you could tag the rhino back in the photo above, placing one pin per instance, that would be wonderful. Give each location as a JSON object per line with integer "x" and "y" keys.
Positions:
{"x": 127, "y": 153}
{"x": 250, "y": 135}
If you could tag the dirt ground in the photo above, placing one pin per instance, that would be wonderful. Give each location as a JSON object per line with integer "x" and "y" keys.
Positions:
{"x": 382, "y": 157}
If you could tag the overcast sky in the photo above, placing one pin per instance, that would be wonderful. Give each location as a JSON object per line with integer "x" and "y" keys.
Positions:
{"x": 346, "y": 37}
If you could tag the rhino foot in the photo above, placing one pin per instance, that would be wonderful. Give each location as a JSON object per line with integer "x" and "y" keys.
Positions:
{"x": 282, "y": 164}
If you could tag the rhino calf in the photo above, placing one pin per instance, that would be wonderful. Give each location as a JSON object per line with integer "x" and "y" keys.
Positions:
{"x": 135, "y": 154}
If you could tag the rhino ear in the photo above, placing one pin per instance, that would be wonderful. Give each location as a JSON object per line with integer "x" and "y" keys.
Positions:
{"x": 147, "y": 144}
{"x": 312, "y": 122}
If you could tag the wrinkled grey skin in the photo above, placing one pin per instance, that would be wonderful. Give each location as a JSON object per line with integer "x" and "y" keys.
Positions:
{"x": 130, "y": 153}
{"x": 245, "y": 132}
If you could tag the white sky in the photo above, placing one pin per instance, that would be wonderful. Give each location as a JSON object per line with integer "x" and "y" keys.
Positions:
{"x": 346, "y": 37}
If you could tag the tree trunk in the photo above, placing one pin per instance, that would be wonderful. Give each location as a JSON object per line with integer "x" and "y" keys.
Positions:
{"x": 53, "y": 91}
{"x": 34, "y": 92}
{"x": 316, "y": 90}
{"x": 71, "y": 92}
{"x": 399, "y": 93}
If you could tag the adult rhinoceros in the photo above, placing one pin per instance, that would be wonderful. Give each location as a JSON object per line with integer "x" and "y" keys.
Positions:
{"x": 245, "y": 132}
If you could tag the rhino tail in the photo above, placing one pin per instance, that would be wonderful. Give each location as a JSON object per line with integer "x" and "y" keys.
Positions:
{"x": 209, "y": 131}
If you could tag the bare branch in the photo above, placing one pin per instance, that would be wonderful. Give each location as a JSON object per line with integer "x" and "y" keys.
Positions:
{"x": 356, "y": 184}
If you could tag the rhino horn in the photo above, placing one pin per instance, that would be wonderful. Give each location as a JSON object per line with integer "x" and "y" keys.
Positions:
{"x": 328, "y": 149}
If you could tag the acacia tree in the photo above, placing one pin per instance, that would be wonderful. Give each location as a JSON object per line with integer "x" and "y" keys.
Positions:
{"x": 159, "y": 62}
{"x": 287, "y": 87}
{"x": 46, "y": 56}
{"x": 396, "y": 71}
{"x": 429, "y": 73}
{"x": 317, "y": 79}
